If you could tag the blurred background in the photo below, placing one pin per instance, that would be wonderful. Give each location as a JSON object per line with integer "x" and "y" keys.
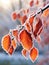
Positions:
{"x": 6, "y": 23}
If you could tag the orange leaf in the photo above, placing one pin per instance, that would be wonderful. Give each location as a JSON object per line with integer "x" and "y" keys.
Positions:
{"x": 23, "y": 19}
{"x": 26, "y": 40}
{"x": 37, "y": 26}
{"x": 31, "y": 20}
{"x": 13, "y": 44}
{"x": 33, "y": 54}
{"x": 28, "y": 27}
{"x": 31, "y": 3}
{"x": 6, "y": 42}
{"x": 14, "y": 15}
{"x": 46, "y": 13}
{"x": 10, "y": 51}
{"x": 25, "y": 53}
{"x": 15, "y": 33}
